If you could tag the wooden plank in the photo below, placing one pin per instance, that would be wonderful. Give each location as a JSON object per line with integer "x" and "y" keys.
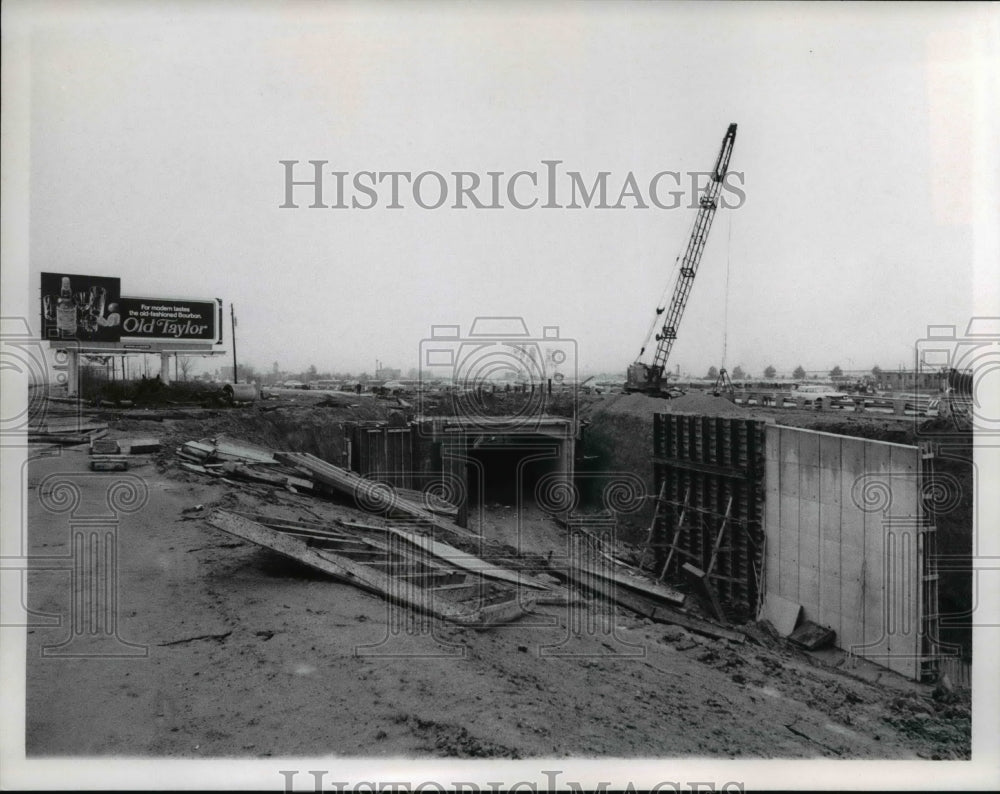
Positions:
{"x": 619, "y": 576}
{"x": 226, "y": 445}
{"x": 664, "y": 614}
{"x": 368, "y": 491}
{"x": 279, "y": 523}
{"x": 344, "y": 569}
{"x": 655, "y": 610}
{"x": 466, "y": 561}
{"x": 432, "y": 502}
{"x": 674, "y": 547}
{"x": 55, "y": 438}
{"x": 718, "y": 538}
{"x": 733, "y": 472}
{"x": 459, "y": 592}
{"x": 657, "y": 510}
{"x": 194, "y": 467}
{"x": 701, "y": 581}
{"x": 68, "y": 427}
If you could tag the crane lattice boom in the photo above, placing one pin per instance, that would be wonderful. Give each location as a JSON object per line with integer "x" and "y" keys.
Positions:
{"x": 648, "y": 378}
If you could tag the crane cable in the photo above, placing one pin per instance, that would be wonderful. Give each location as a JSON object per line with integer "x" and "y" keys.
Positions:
{"x": 660, "y": 307}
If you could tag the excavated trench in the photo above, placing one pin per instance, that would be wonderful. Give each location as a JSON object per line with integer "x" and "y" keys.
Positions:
{"x": 616, "y": 438}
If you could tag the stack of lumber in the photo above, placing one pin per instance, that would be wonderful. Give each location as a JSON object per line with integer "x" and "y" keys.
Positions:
{"x": 438, "y": 580}
{"x": 225, "y": 457}
{"x": 67, "y": 432}
{"x": 370, "y": 495}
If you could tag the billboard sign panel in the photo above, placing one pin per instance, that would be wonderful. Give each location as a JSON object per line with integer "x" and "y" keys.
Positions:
{"x": 172, "y": 319}
{"x": 81, "y": 308}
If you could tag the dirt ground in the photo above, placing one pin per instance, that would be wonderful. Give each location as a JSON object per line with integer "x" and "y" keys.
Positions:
{"x": 249, "y": 655}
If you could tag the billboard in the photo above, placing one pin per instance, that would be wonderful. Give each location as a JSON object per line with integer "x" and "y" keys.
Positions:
{"x": 79, "y": 307}
{"x": 172, "y": 319}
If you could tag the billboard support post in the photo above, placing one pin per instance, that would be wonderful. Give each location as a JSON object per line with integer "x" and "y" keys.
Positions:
{"x": 165, "y": 368}
{"x": 232, "y": 315}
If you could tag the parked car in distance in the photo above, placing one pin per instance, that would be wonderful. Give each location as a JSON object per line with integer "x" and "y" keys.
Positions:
{"x": 814, "y": 392}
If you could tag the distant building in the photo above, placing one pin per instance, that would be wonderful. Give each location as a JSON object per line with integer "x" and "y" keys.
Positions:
{"x": 386, "y": 373}
{"x": 907, "y": 379}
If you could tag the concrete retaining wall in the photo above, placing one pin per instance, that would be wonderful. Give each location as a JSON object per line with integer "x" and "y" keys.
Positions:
{"x": 844, "y": 535}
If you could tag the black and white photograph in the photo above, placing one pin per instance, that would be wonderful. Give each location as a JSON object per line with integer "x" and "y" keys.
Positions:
{"x": 481, "y": 396}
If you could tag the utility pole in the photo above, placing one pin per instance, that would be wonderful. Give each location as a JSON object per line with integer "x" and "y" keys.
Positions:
{"x": 232, "y": 315}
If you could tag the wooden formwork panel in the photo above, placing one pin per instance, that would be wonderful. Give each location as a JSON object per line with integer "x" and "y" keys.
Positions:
{"x": 845, "y": 536}
{"x": 384, "y": 454}
{"x": 705, "y": 465}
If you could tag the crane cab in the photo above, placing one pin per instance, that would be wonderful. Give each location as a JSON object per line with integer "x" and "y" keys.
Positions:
{"x": 648, "y": 379}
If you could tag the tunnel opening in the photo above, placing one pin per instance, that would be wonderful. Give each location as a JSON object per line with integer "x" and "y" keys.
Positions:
{"x": 507, "y": 470}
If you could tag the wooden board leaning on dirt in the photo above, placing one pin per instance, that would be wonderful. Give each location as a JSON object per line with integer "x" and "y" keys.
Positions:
{"x": 369, "y": 577}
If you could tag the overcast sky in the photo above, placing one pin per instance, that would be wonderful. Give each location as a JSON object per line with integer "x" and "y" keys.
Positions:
{"x": 866, "y": 139}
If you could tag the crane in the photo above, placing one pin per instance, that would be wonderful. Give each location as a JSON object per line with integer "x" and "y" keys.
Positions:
{"x": 649, "y": 378}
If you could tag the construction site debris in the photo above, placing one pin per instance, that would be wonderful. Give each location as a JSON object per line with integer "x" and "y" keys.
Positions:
{"x": 240, "y": 392}
{"x": 374, "y": 496}
{"x": 431, "y": 501}
{"x": 466, "y": 561}
{"x": 67, "y": 433}
{"x": 782, "y": 614}
{"x": 104, "y": 446}
{"x": 140, "y": 446}
{"x": 654, "y": 603}
{"x": 419, "y": 581}
{"x": 944, "y": 691}
{"x": 812, "y": 636}
{"x": 701, "y": 580}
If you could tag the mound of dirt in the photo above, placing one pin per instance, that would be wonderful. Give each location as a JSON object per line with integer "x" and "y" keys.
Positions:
{"x": 645, "y": 407}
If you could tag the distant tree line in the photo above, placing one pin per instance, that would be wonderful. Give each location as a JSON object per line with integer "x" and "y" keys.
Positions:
{"x": 769, "y": 373}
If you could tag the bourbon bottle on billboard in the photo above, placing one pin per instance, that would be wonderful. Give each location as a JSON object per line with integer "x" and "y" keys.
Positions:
{"x": 66, "y": 310}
